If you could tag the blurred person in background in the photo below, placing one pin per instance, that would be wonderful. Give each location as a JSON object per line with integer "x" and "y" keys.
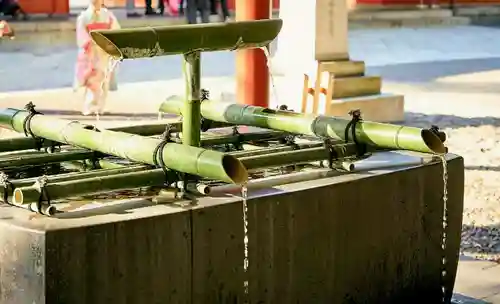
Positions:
{"x": 151, "y": 11}
{"x": 5, "y": 30}
{"x": 224, "y": 10}
{"x": 195, "y": 6}
{"x": 130, "y": 8}
{"x": 94, "y": 71}
{"x": 11, "y": 8}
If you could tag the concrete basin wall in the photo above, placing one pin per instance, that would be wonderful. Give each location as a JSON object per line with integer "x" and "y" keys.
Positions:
{"x": 373, "y": 237}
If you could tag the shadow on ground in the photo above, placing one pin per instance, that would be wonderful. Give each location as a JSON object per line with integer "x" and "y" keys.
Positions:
{"x": 424, "y": 72}
{"x": 448, "y": 121}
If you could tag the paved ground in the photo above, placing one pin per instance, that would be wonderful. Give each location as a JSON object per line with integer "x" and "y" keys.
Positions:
{"x": 448, "y": 75}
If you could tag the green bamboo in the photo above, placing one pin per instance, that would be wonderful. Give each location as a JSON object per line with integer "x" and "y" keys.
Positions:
{"x": 269, "y": 150}
{"x": 26, "y": 143}
{"x": 44, "y": 158}
{"x": 182, "y": 158}
{"x": 376, "y": 134}
{"x": 297, "y": 156}
{"x": 173, "y": 40}
{"x": 4, "y": 155}
{"x": 191, "y": 120}
{"x": 212, "y": 140}
{"x": 79, "y": 175}
{"x": 88, "y": 165}
{"x": 100, "y": 184}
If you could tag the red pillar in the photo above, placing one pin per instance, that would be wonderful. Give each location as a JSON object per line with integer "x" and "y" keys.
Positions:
{"x": 252, "y": 75}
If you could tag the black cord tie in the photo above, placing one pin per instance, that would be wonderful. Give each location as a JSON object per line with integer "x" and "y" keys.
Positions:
{"x": 284, "y": 108}
{"x": 289, "y": 140}
{"x": 332, "y": 152}
{"x": 170, "y": 175}
{"x": 44, "y": 198}
{"x": 53, "y": 147}
{"x": 7, "y": 187}
{"x": 238, "y": 145}
{"x": 351, "y": 125}
{"x": 30, "y": 107}
{"x": 94, "y": 159}
{"x": 205, "y": 123}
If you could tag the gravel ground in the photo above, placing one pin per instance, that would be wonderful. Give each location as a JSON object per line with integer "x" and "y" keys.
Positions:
{"x": 477, "y": 140}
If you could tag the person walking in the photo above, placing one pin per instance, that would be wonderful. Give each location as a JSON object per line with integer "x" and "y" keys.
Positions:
{"x": 130, "y": 8}
{"x": 224, "y": 10}
{"x": 195, "y": 6}
{"x": 149, "y": 8}
{"x": 92, "y": 64}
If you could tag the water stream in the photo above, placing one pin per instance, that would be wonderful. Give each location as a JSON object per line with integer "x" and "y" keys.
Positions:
{"x": 265, "y": 49}
{"x": 244, "y": 196}
{"x": 445, "y": 223}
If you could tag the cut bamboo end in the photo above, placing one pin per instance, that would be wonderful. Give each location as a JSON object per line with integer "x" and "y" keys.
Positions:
{"x": 433, "y": 142}
{"x": 234, "y": 169}
{"x": 106, "y": 45}
{"x": 18, "y": 197}
{"x": 45, "y": 209}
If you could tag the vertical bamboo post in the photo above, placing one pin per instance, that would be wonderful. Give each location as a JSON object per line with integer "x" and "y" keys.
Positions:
{"x": 191, "y": 115}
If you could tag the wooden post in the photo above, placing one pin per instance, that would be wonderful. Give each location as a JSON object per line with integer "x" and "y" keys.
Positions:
{"x": 252, "y": 73}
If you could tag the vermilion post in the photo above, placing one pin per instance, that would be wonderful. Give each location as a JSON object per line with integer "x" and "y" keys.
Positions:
{"x": 252, "y": 75}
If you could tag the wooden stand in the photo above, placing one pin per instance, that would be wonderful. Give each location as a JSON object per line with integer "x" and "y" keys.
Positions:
{"x": 320, "y": 43}
{"x": 342, "y": 86}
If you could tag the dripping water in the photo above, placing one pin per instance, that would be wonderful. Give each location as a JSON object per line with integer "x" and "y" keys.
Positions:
{"x": 445, "y": 224}
{"x": 265, "y": 49}
{"x": 108, "y": 71}
{"x": 244, "y": 196}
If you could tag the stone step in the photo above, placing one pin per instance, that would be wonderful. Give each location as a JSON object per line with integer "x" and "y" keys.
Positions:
{"x": 344, "y": 68}
{"x": 377, "y": 107}
{"x": 409, "y": 22}
{"x": 371, "y": 14}
{"x": 356, "y": 86}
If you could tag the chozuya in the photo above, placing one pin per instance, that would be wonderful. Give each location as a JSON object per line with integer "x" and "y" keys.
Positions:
{"x": 95, "y": 70}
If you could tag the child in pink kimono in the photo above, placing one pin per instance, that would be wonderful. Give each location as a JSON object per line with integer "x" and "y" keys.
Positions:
{"x": 5, "y": 30}
{"x": 93, "y": 67}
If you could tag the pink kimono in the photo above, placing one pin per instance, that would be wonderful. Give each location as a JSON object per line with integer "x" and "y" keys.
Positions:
{"x": 5, "y": 30}
{"x": 93, "y": 70}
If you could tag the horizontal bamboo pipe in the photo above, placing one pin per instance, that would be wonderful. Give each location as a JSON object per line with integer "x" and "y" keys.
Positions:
{"x": 154, "y": 41}
{"x": 26, "y": 143}
{"x": 375, "y": 134}
{"x": 182, "y": 158}
{"x": 100, "y": 184}
{"x": 43, "y": 158}
{"x": 297, "y": 156}
{"x": 228, "y": 139}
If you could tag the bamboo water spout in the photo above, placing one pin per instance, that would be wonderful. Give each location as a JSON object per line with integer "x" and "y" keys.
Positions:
{"x": 183, "y": 158}
{"x": 375, "y": 134}
{"x": 183, "y": 39}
